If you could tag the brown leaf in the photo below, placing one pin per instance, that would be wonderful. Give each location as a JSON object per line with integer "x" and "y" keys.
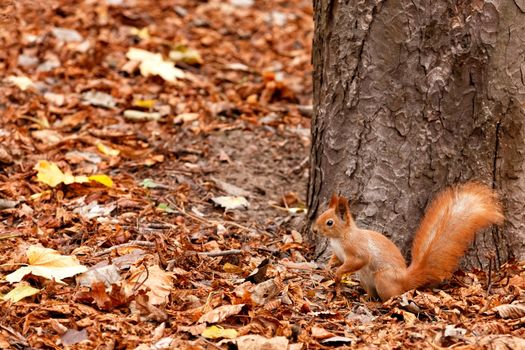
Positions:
{"x": 101, "y": 298}
{"x": 146, "y": 308}
{"x": 320, "y": 333}
{"x": 220, "y": 313}
{"x": 511, "y": 310}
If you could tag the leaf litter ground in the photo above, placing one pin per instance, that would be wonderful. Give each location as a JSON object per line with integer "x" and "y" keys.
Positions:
{"x": 199, "y": 113}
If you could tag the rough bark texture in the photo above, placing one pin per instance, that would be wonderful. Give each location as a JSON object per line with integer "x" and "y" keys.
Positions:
{"x": 411, "y": 96}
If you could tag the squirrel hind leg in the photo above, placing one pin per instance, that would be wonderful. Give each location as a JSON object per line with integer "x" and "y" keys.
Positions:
{"x": 389, "y": 283}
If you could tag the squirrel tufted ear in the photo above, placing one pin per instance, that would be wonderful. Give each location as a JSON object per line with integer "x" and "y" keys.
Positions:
{"x": 344, "y": 209}
{"x": 333, "y": 201}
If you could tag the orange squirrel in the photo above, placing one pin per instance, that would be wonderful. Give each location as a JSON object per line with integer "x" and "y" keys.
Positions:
{"x": 447, "y": 229}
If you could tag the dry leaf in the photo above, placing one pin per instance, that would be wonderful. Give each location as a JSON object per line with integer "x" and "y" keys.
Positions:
{"x": 230, "y": 202}
{"x": 47, "y": 263}
{"x": 103, "y": 299}
{"x": 221, "y": 313}
{"x": 107, "y": 150}
{"x": 215, "y": 332}
{"x": 158, "y": 281}
{"x": 321, "y": 333}
{"x": 132, "y": 114}
{"x": 50, "y": 174}
{"x": 186, "y": 55}
{"x": 258, "y": 342}
{"x": 153, "y": 64}
{"x": 22, "y": 82}
{"x": 21, "y": 291}
{"x": 511, "y": 310}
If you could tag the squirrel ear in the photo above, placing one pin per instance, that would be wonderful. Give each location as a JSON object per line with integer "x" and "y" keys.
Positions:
{"x": 333, "y": 201}
{"x": 344, "y": 209}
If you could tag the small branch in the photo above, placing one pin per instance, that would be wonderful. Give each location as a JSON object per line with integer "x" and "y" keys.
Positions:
{"x": 221, "y": 253}
{"x": 126, "y": 245}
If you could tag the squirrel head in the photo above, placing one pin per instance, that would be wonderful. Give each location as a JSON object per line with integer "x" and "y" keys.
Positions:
{"x": 336, "y": 220}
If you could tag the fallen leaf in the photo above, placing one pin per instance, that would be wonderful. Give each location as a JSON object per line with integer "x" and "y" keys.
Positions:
{"x": 511, "y": 310}
{"x": 220, "y": 313}
{"x": 22, "y": 82}
{"x": 257, "y": 342}
{"x": 153, "y": 64}
{"x": 150, "y": 183}
{"x": 141, "y": 33}
{"x": 104, "y": 300}
{"x": 66, "y": 35}
{"x": 158, "y": 281}
{"x": 102, "y": 179}
{"x": 320, "y": 333}
{"x": 21, "y": 291}
{"x": 230, "y": 202}
{"x": 108, "y": 275}
{"x": 454, "y": 332}
{"x": 141, "y": 116}
{"x": 185, "y": 117}
{"x": 47, "y": 136}
{"x": 47, "y": 263}
{"x": 184, "y": 54}
{"x": 230, "y": 268}
{"x": 72, "y": 337}
{"x": 166, "y": 208}
{"x": 94, "y": 210}
{"x": 215, "y": 332}
{"x": 99, "y": 99}
{"x": 144, "y": 103}
{"x": 108, "y": 151}
{"x": 50, "y": 174}
{"x": 336, "y": 340}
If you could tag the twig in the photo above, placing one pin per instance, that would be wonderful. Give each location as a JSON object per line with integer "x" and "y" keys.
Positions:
{"x": 125, "y": 245}
{"x": 215, "y": 223}
{"x": 11, "y": 235}
{"x": 221, "y": 253}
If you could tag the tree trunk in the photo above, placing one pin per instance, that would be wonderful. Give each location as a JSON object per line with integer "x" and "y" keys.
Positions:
{"x": 411, "y": 96}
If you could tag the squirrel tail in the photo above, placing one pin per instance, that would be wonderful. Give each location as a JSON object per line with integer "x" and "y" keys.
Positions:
{"x": 448, "y": 228}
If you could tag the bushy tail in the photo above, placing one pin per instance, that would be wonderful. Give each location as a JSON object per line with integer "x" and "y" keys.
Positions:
{"x": 448, "y": 228}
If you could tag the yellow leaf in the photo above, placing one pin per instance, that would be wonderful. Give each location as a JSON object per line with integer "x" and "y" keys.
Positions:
{"x": 144, "y": 103}
{"x": 40, "y": 195}
{"x": 215, "y": 332}
{"x": 20, "y": 292}
{"x": 47, "y": 263}
{"x": 103, "y": 179}
{"x": 186, "y": 55}
{"x": 141, "y": 33}
{"x": 49, "y": 173}
{"x": 230, "y": 268}
{"x": 107, "y": 150}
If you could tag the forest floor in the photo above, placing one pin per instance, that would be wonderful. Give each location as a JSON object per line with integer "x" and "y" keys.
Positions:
{"x": 154, "y": 199}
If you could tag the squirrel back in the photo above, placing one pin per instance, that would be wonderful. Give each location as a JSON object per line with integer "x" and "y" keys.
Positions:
{"x": 449, "y": 226}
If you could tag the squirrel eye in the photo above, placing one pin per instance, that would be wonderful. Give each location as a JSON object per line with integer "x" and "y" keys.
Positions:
{"x": 329, "y": 222}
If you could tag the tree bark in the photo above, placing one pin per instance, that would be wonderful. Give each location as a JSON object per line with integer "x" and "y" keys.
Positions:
{"x": 411, "y": 96}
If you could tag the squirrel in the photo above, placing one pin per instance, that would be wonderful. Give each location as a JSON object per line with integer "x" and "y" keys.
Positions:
{"x": 446, "y": 231}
